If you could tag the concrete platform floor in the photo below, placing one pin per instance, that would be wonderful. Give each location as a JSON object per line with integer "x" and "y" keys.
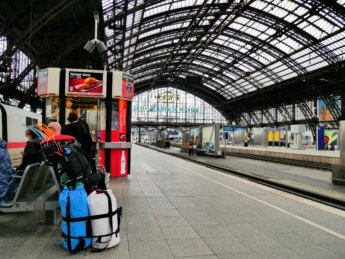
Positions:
{"x": 309, "y": 152}
{"x": 317, "y": 181}
{"x": 177, "y": 209}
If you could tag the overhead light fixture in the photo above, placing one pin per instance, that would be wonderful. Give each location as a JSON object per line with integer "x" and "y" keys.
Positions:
{"x": 91, "y": 44}
{"x": 324, "y": 80}
{"x": 101, "y": 46}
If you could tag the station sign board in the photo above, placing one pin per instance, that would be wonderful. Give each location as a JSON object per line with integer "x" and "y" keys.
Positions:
{"x": 232, "y": 128}
{"x": 86, "y": 83}
{"x": 122, "y": 85}
{"x": 48, "y": 81}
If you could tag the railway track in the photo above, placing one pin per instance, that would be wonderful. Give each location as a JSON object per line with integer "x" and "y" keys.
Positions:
{"x": 268, "y": 181}
{"x": 307, "y": 164}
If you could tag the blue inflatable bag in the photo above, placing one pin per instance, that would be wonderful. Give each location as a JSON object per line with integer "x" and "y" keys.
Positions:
{"x": 75, "y": 219}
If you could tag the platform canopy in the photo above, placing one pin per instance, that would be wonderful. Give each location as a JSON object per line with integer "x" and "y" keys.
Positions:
{"x": 236, "y": 47}
{"x": 238, "y": 55}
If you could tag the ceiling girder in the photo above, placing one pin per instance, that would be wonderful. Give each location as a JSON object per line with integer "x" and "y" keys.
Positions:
{"x": 294, "y": 31}
{"x": 35, "y": 27}
{"x": 187, "y": 31}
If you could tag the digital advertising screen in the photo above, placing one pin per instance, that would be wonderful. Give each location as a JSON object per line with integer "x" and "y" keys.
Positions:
{"x": 85, "y": 83}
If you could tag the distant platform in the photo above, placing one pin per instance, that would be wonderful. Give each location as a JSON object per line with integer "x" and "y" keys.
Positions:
{"x": 310, "y": 155}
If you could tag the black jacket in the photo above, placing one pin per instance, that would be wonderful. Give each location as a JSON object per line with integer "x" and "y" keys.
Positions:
{"x": 31, "y": 154}
{"x": 80, "y": 131}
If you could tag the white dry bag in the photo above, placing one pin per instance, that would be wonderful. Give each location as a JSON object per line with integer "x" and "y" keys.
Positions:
{"x": 105, "y": 219}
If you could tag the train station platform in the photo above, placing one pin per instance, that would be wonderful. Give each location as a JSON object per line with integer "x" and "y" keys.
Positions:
{"x": 309, "y": 157}
{"x": 310, "y": 181}
{"x": 174, "y": 208}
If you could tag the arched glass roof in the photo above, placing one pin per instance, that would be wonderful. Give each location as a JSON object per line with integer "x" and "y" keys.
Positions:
{"x": 236, "y": 46}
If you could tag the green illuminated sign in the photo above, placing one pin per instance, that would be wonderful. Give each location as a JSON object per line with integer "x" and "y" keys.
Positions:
{"x": 155, "y": 108}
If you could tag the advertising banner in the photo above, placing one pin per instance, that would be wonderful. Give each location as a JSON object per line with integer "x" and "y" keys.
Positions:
{"x": 127, "y": 89}
{"x": 323, "y": 111}
{"x": 90, "y": 83}
{"x": 42, "y": 83}
{"x": 208, "y": 138}
{"x": 127, "y": 86}
{"x": 122, "y": 85}
{"x": 122, "y": 119}
{"x": 332, "y": 136}
{"x": 195, "y": 134}
{"x": 48, "y": 81}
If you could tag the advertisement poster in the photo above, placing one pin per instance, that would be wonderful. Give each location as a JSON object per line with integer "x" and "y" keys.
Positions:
{"x": 332, "y": 136}
{"x": 122, "y": 119}
{"x": 85, "y": 83}
{"x": 208, "y": 138}
{"x": 114, "y": 115}
{"x": 42, "y": 84}
{"x": 127, "y": 89}
{"x": 196, "y": 137}
{"x": 127, "y": 86}
{"x": 323, "y": 110}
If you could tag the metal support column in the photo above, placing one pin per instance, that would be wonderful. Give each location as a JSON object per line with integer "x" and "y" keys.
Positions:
{"x": 342, "y": 106}
{"x": 139, "y": 134}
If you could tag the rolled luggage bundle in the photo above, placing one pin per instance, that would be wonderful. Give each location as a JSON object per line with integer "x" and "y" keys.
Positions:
{"x": 75, "y": 219}
{"x": 89, "y": 220}
{"x": 105, "y": 219}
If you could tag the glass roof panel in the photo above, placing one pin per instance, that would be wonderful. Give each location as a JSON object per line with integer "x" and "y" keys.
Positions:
{"x": 254, "y": 43}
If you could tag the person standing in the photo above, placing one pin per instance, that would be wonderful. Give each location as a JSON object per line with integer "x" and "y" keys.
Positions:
{"x": 80, "y": 131}
{"x": 7, "y": 184}
{"x": 190, "y": 148}
{"x": 326, "y": 140}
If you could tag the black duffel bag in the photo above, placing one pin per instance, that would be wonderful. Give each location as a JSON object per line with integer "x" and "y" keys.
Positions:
{"x": 75, "y": 165}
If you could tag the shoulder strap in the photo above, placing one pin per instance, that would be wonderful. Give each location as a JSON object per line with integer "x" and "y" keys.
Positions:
{"x": 119, "y": 215}
{"x": 68, "y": 216}
{"x": 81, "y": 243}
{"x": 110, "y": 216}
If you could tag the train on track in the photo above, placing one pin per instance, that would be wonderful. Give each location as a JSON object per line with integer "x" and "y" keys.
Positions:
{"x": 13, "y": 122}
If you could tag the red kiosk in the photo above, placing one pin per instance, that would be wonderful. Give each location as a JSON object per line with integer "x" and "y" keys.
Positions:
{"x": 105, "y": 100}
{"x": 115, "y": 132}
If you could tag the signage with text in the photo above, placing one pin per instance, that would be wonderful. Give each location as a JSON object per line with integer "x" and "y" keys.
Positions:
{"x": 159, "y": 108}
{"x": 85, "y": 82}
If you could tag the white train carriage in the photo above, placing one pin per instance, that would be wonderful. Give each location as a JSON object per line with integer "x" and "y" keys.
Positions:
{"x": 13, "y": 123}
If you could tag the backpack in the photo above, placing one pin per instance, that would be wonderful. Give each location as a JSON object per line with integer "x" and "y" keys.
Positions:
{"x": 75, "y": 165}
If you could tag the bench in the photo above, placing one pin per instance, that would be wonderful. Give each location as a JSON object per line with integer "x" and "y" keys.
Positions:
{"x": 51, "y": 205}
{"x": 33, "y": 188}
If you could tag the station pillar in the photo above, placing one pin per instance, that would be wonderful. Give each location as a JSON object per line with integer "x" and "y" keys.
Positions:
{"x": 338, "y": 170}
